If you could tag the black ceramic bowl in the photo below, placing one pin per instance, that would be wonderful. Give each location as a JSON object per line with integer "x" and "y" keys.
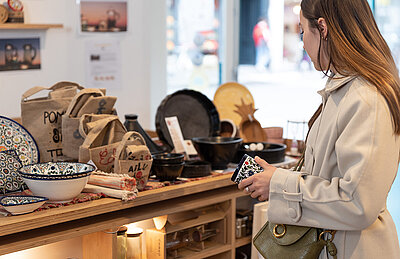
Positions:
{"x": 167, "y": 172}
{"x": 272, "y": 152}
{"x": 219, "y": 151}
{"x": 168, "y": 158}
{"x": 196, "y": 168}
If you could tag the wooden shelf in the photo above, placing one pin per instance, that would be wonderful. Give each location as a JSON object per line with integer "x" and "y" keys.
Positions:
{"x": 201, "y": 220}
{"x": 25, "y": 26}
{"x": 242, "y": 241}
{"x": 212, "y": 249}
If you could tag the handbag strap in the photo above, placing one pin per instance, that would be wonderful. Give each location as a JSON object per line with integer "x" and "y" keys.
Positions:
{"x": 78, "y": 96}
{"x": 59, "y": 85}
{"x": 100, "y": 128}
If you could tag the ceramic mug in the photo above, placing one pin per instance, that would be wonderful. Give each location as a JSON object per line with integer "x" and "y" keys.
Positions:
{"x": 228, "y": 128}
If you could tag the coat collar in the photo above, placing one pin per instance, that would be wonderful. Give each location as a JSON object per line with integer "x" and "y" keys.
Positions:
{"x": 335, "y": 83}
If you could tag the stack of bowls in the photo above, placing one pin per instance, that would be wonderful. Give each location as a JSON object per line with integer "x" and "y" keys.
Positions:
{"x": 168, "y": 166}
{"x": 59, "y": 181}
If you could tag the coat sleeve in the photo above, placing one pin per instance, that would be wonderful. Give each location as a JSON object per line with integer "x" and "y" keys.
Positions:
{"x": 366, "y": 152}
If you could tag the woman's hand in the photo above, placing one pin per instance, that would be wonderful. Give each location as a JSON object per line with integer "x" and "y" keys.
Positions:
{"x": 258, "y": 185}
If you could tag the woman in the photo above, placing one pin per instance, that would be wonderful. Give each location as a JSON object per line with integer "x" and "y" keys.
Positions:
{"x": 352, "y": 150}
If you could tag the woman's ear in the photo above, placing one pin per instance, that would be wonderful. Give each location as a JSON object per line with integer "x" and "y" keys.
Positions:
{"x": 323, "y": 28}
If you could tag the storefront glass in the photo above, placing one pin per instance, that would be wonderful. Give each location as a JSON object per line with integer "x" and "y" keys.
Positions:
{"x": 386, "y": 15}
{"x": 193, "y": 29}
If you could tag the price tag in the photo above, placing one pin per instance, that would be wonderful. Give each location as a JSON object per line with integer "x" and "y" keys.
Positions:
{"x": 176, "y": 134}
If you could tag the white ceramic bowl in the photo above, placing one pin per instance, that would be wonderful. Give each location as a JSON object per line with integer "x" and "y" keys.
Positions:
{"x": 60, "y": 182}
{"x": 22, "y": 204}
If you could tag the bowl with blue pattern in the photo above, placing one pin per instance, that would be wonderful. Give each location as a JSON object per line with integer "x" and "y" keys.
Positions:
{"x": 59, "y": 181}
{"x": 17, "y": 205}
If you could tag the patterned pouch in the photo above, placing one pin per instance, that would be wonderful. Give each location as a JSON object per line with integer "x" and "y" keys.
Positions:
{"x": 246, "y": 168}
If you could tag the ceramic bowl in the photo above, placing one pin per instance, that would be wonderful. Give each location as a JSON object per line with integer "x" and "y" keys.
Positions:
{"x": 196, "y": 168}
{"x": 168, "y": 172}
{"x": 219, "y": 151}
{"x": 168, "y": 158}
{"x": 60, "y": 182}
{"x": 22, "y": 204}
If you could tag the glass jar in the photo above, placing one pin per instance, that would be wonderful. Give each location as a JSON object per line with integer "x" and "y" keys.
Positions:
{"x": 121, "y": 242}
{"x": 134, "y": 243}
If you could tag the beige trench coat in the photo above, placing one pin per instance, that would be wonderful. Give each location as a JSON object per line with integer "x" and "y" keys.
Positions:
{"x": 351, "y": 161}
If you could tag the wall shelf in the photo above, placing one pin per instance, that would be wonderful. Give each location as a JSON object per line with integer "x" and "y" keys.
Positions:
{"x": 26, "y": 26}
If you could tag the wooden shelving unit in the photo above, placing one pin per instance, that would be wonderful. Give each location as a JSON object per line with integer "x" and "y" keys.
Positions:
{"x": 26, "y": 26}
{"x": 90, "y": 219}
{"x": 242, "y": 241}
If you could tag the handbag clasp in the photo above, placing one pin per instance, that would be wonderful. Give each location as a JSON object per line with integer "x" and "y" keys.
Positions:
{"x": 331, "y": 232}
{"x": 275, "y": 231}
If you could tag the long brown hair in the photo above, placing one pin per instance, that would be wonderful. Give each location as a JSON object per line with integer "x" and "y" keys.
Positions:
{"x": 356, "y": 47}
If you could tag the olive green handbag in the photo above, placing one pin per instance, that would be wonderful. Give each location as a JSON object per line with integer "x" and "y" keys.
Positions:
{"x": 282, "y": 241}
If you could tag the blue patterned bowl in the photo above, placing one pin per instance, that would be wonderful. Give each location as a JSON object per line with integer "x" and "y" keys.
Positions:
{"x": 22, "y": 204}
{"x": 56, "y": 170}
{"x": 59, "y": 181}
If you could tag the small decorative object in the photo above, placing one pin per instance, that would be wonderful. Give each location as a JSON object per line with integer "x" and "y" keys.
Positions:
{"x": 15, "y": 11}
{"x": 10, "y": 179}
{"x": 250, "y": 128}
{"x": 15, "y": 136}
{"x": 60, "y": 182}
{"x": 15, "y": 5}
{"x": 22, "y": 204}
{"x": 3, "y": 14}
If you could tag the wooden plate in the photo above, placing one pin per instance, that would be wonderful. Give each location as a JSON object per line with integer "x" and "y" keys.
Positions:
{"x": 227, "y": 96}
{"x": 3, "y": 14}
{"x": 196, "y": 114}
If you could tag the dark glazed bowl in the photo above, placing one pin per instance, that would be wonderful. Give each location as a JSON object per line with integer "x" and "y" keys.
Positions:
{"x": 272, "y": 152}
{"x": 168, "y": 158}
{"x": 196, "y": 168}
{"x": 167, "y": 172}
{"x": 219, "y": 151}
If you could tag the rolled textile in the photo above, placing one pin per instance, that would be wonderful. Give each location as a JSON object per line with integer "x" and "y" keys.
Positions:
{"x": 114, "y": 181}
{"x": 114, "y": 193}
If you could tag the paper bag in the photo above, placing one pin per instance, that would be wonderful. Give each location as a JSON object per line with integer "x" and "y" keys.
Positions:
{"x": 87, "y": 101}
{"x": 42, "y": 117}
{"x": 101, "y": 141}
{"x": 138, "y": 168}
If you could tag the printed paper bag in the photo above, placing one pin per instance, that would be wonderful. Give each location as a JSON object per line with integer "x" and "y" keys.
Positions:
{"x": 87, "y": 101}
{"x": 126, "y": 152}
{"x": 101, "y": 142}
{"x": 42, "y": 117}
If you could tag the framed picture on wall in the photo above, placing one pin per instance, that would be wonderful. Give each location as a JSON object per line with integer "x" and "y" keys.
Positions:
{"x": 103, "y": 16}
{"x": 19, "y": 54}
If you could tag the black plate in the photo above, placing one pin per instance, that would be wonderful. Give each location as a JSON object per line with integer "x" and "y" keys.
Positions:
{"x": 196, "y": 114}
{"x": 272, "y": 152}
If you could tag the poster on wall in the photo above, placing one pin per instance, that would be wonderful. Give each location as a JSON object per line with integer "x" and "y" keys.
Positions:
{"x": 103, "y": 64}
{"x": 19, "y": 54}
{"x": 103, "y": 16}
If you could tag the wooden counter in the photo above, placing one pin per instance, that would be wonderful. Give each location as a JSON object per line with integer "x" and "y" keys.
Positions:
{"x": 57, "y": 224}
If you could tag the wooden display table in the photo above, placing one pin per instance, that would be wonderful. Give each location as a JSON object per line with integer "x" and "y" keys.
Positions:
{"x": 88, "y": 218}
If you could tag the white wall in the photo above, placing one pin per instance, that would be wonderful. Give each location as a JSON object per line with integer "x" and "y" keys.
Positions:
{"x": 143, "y": 55}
